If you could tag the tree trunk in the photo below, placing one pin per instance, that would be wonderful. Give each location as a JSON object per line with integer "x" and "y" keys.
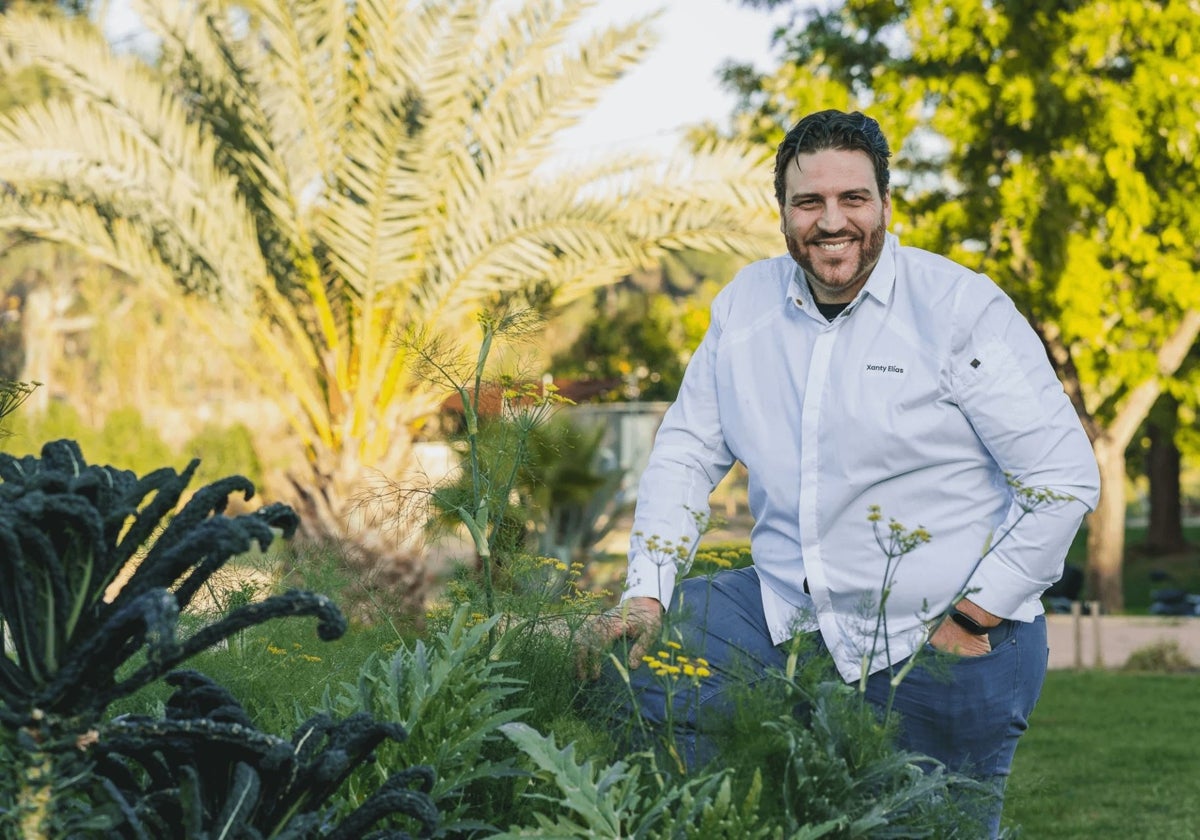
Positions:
{"x": 1106, "y": 529}
{"x": 1165, "y": 532}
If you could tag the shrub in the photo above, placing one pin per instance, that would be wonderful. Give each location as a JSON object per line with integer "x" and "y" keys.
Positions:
{"x": 1162, "y": 657}
{"x": 225, "y": 450}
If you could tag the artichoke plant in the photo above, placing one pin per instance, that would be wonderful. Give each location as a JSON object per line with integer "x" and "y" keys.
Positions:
{"x": 97, "y": 565}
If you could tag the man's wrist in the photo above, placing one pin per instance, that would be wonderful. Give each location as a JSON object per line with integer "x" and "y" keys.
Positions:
{"x": 967, "y": 623}
{"x": 639, "y": 601}
{"x": 967, "y": 614}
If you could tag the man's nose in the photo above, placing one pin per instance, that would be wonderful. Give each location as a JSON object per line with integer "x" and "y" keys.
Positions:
{"x": 832, "y": 218}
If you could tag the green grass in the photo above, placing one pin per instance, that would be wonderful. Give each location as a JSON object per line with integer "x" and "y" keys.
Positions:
{"x": 1110, "y": 755}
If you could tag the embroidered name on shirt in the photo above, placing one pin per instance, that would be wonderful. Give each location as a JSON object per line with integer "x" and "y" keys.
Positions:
{"x": 885, "y": 368}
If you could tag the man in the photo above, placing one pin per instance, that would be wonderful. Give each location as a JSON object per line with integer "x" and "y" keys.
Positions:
{"x": 858, "y": 381}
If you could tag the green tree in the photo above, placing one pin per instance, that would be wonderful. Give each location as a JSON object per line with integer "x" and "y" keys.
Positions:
{"x": 636, "y": 343}
{"x": 1054, "y": 147}
{"x": 634, "y": 339}
{"x": 341, "y": 173}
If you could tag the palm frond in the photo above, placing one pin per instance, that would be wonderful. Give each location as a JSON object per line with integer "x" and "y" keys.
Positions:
{"x": 533, "y": 87}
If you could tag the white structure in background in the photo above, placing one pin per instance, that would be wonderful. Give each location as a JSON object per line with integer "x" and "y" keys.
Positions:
{"x": 629, "y": 430}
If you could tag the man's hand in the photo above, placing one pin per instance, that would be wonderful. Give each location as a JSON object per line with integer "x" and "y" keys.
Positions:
{"x": 950, "y": 638}
{"x": 638, "y": 619}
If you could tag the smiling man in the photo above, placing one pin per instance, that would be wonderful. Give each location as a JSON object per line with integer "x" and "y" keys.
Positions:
{"x": 834, "y": 216}
{"x": 858, "y": 379}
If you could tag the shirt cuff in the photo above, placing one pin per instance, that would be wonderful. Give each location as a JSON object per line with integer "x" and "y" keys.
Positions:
{"x": 647, "y": 579}
{"x": 1003, "y": 591}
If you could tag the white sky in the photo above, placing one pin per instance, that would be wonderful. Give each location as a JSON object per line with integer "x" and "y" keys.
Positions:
{"x": 676, "y": 86}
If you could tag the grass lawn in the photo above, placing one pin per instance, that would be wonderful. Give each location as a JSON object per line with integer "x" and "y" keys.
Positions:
{"x": 1110, "y": 755}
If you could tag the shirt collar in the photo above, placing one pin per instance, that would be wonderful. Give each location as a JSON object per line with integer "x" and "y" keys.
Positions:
{"x": 879, "y": 285}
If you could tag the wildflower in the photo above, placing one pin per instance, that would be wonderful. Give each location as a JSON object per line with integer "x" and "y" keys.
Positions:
{"x": 670, "y": 665}
{"x": 276, "y": 651}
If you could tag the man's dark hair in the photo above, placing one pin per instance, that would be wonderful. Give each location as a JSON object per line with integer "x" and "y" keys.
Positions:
{"x": 854, "y": 132}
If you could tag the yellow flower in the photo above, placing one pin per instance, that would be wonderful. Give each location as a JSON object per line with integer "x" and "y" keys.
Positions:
{"x": 276, "y": 650}
{"x": 674, "y": 645}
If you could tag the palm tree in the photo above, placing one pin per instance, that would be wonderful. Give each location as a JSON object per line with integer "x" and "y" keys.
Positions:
{"x": 336, "y": 173}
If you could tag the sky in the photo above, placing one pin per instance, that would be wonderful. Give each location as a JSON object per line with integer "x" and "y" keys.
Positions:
{"x": 676, "y": 86}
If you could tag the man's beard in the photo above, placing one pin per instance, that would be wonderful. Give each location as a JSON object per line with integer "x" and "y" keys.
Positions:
{"x": 868, "y": 256}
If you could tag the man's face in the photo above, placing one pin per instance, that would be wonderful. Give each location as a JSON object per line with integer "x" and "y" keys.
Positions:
{"x": 834, "y": 220}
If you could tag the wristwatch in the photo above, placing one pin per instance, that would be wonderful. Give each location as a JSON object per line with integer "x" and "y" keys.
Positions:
{"x": 967, "y": 623}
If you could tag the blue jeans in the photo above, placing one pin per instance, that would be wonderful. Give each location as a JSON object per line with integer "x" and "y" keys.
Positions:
{"x": 965, "y": 712}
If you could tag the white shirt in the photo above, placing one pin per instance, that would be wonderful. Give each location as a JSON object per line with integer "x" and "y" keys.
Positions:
{"x": 920, "y": 397}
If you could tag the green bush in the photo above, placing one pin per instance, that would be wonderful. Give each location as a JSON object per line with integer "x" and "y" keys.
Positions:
{"x": 126, "y": 441}
{"x": 1163, "y": 657}
{"x": 59, "y": 421}
{"x": 224, "y": 450}
{"x": 123, "y": 439}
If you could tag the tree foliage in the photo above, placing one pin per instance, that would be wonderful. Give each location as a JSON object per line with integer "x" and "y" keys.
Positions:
{"x": 1053, "y": 147}
{"x": 339, "y": 173}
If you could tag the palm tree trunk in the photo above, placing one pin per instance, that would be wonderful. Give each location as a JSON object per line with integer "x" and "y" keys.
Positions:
{"x": 370, "y": 533}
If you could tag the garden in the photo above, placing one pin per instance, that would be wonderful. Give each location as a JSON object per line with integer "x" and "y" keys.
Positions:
{"x": 146, "y": 694}
{"x": 297, "y": 237}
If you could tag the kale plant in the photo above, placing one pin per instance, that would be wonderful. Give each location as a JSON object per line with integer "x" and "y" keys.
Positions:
{"x": 97, "y": 566}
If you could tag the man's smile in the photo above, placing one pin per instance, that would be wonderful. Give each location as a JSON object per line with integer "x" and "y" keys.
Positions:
{"x": 835, "y": 246}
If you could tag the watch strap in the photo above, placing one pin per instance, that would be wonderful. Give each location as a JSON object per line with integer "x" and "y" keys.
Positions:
{"x": 967, "y": 623}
